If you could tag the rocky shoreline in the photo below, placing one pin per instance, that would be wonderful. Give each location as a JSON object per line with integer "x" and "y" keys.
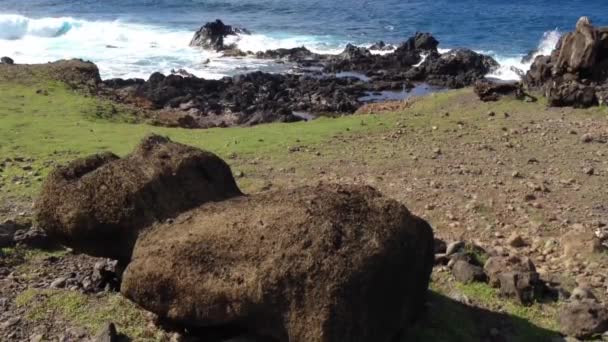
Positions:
{"x": 315, "y": 85}
{"x": 574, "y": 75}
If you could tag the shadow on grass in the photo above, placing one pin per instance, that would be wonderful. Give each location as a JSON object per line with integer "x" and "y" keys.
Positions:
{"x": 452, "y": 321}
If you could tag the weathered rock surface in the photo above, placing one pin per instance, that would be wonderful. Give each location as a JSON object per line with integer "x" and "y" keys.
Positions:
{"x": 466, "y": 272}
{"x": 576, "y": 73}
{"x": 493, "y": 91}
{"x": 212, "y": 34}
{"x": 324, "y": 263}
{"x": 515, "y": 277}
{"x": 583, "y": 318}
{"x": 99, "y": 204}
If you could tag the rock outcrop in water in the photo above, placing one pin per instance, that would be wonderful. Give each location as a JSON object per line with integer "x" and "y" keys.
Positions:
{"x": 327, "y": 263}
{"x": 211, "y": 35}
{"x": 576, "y": 72}
{"x": 99, "y": 204}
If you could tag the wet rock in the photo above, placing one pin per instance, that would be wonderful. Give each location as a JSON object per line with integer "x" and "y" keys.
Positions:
{"x": 454, "y": 69}
{"x": 99, "y": 204}
{"x": 583, "y": 319}
{"x": 212, "y": 34}
{"x": 345, "y": 264}
{"x": 7, "y": 60}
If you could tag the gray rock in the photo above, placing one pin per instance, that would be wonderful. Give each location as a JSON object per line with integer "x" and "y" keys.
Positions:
{"x": 454, "y": 247}
{"x": 515, "y": 277}
{"x": 524, "y": 286}
{"x": 465, "y": 272}
{"x": 58, "y": 283}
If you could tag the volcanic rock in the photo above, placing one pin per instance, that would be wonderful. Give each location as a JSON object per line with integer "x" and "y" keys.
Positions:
{"x": 212, "y": 34}
{"x": 576, "y": 72}
{"x": 325, "y": 263}
{"x": 99, "y": 204}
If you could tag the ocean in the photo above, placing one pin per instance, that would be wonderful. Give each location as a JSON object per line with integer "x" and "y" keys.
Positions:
{"x": 135, "y": 38}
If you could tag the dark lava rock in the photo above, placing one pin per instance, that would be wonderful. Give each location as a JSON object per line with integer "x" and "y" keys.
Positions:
{"x": 7, "y": 60}
{"x": 211, "y": 35}
{"x": 576, "y": 72}
{"x": 99, "y": 204}
{"x": 454, "y": 69}
{"x": 493, "y": 91}
{"x": 244, "y": 99}
{"x": 381, "y": 46}
{"x": 345, "y": 264}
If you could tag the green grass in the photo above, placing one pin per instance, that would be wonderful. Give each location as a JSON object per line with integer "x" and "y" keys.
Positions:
{"x": 544, "y": 315}
{"x": 90, "y": 313}
{"x": 65, "y": 125}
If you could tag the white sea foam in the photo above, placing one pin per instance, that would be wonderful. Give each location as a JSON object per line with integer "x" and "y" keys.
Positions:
{"x": 126, "y": 50}
{"x": 510, "y": 66}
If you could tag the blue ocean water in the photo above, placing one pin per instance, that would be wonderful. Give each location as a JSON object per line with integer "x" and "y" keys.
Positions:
{"x": 133, "y": 38}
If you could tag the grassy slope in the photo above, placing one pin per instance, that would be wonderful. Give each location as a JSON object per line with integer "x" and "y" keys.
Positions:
{"x": 56, "y": 128}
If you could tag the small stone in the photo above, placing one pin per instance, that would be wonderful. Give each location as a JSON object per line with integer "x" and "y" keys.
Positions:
{"x": 582, "y": 293}
{"x": 10, "y": 322}
{"x": 36, "y": 338}
{"x": 516, "y": 174}
{"x": 491, "y": 113}
{"x": 587, "y": 138}
{"x": 515, "y": 240}
{"x": 58, "y": 283}
{"x": 239, "y": 174}
{"x": 589, "y": 170}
